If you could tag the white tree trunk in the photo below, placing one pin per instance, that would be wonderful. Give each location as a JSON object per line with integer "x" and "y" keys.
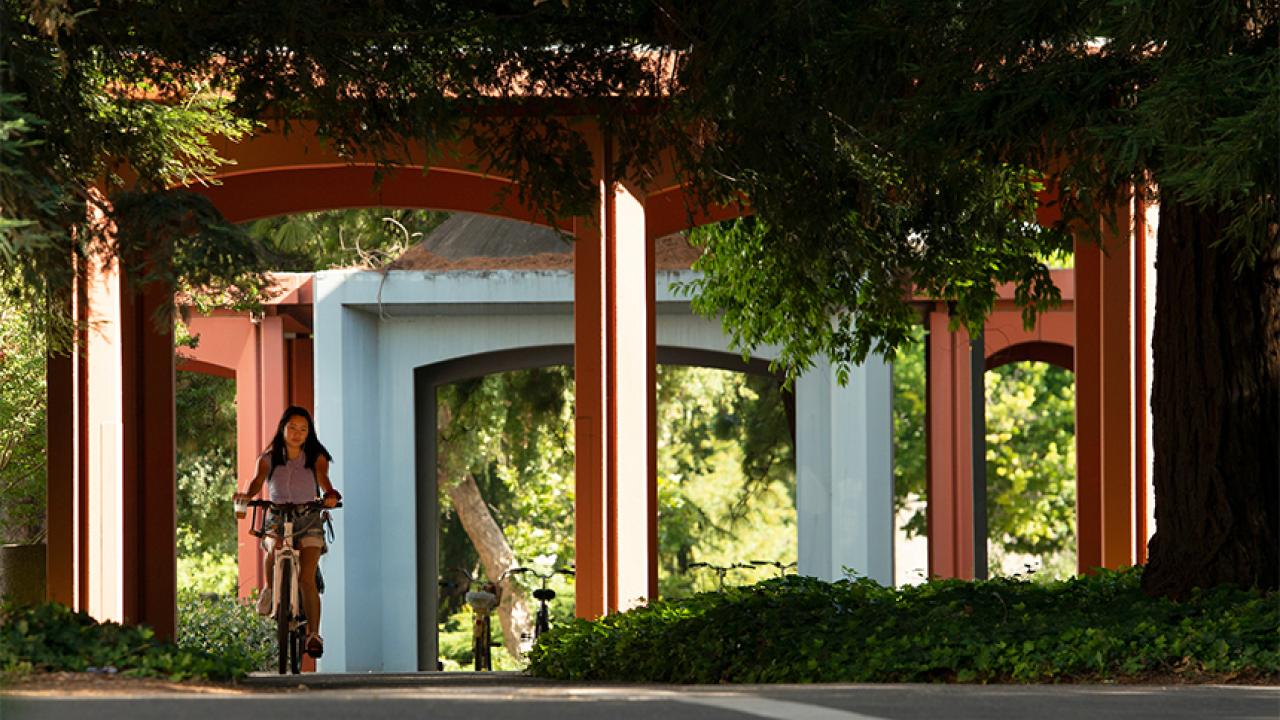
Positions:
{"x": 495, "y": 553}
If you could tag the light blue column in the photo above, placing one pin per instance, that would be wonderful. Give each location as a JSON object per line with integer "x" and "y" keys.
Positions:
{"x": 844, "y": 472}
{"x": 346, "y": 413}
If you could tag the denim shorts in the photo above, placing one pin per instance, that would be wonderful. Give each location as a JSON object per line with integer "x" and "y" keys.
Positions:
{"x": 308, "y": 530}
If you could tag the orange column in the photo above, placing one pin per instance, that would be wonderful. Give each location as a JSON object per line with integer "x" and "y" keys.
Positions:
{"x": 149, "y": 437}
{"x": 614, "y": 351}
{"x": 1089, "y": 425}
{"x": 950, "y": 465}
{"x": 62, "y": 498}
{"x": 1110, "y": 407}
{"x": 263, "y": 385}
{"x": 302, "y": 372}
{"x": 591, "y": 411}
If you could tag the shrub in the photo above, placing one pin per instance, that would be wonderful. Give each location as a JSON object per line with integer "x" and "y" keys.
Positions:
{"x": 798, "y": 629}
{"x": 52, "y": 638}
{"x": 225, "y": 626}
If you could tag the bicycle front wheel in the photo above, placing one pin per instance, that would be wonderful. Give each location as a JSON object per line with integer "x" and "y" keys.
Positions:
{"x": 298, "y": 639}
{"x": 284, "y": 613}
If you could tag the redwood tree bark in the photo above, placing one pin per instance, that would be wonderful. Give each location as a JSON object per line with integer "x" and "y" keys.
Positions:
{"x": 1216, "y": 411}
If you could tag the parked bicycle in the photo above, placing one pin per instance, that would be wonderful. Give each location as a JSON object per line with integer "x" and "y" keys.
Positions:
{"x": 286, "y": 573}
{"x": 720, "y": 570}
{"x": 781, "y": 567}
{"x": 544, "y": 595}
{"x": 457, "y": 582}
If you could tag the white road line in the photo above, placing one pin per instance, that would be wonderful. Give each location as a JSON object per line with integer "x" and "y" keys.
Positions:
{"x": 768, "y": 708}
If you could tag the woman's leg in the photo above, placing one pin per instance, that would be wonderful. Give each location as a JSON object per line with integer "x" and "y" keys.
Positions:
{"x": 310, "y": 595}
{"x": 264, "y": 596}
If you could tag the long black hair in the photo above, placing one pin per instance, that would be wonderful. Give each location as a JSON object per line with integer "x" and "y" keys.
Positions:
{"x": 311, "y": 447}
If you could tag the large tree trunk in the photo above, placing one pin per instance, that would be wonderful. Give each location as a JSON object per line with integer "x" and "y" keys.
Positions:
{"x": 1216, "y": 412}
{"x": 495, "y": 555}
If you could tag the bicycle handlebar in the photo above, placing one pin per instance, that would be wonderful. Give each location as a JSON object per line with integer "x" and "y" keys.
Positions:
{"x": 317, "y": 504}
{"x": 521, "y": 570}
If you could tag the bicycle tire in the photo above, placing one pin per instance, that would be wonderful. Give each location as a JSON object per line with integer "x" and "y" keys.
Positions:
{"x": 283, "y": 616}
{"x": 297, "y": 640}
{"x": 542, "y": 622}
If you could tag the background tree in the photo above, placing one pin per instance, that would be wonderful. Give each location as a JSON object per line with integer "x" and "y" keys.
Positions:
{"x": 883, "y": 147}
{"x": 891, "y": 147}
{"x": 22, "y": 424}
{"x": 726, "y": 475}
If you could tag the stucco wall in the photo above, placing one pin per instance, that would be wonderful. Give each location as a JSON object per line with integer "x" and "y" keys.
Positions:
{"x": 372, "y": 330}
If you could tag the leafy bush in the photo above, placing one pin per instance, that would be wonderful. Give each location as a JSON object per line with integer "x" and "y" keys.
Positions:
{"x": 204, "y": 571}
{"x": 52, "y": 638}
{"x": 225, "y": 626}
{"x": 798, "y": 629}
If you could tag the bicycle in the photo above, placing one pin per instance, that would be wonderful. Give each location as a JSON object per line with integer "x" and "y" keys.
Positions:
{"x": 782, "y": 567}
{"x": 483, "y": 602}
{"x": 457, "y": 583}
{"x": 721, "y": 570}
{"x": 544, "y": 595}
{"x": 286, "y": 600}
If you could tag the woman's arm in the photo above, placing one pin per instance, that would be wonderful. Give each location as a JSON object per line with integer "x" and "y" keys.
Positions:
{"x": 331, "y": 496}
{"x": 264, "y": 467}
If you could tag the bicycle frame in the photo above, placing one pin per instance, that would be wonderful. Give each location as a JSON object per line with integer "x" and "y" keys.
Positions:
{"x": 286, "y": 577}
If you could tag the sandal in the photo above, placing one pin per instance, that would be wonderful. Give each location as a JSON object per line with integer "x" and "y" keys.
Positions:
{"x": 315, "y": 646}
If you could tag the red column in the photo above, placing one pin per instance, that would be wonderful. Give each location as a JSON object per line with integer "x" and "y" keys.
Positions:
{"x": 614, "y": 351}
{"x": 949, "y": 441}
{"x": 62, "y": 498}
{"x": 250, "y": 443}
{"x": 591, "y": 420}
{"x": 1089, "y": 425}
{"x": 148, "y": 439}
{"x": 1110, "y": 397}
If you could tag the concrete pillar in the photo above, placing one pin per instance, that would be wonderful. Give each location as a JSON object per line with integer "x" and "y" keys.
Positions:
{"x": 844, "y": 472}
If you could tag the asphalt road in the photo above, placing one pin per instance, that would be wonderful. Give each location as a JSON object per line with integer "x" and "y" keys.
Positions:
{"x": 514, "y": 698}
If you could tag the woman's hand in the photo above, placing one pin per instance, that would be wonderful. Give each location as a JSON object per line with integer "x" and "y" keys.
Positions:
{"x": 331, "y": 498}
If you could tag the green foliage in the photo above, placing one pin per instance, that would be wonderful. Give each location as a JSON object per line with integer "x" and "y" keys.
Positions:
{"x": 94, "y": 130}
{"x": 456, "y": 644}
{"x": 910, "y": 443}
{"x": 512, "y": 432}
{"x": 22, "y": 420}
{"x": 726, "y": 475}
{"x": 54, "y": 638}
{"x": 1031, "y": 463}
{"x": 306, "y": 242}
{"x": 206, "y": 451}
{"x": 224, "y": 626}
{"x": 798, "y": 629}
{"x": 202, "y": 570}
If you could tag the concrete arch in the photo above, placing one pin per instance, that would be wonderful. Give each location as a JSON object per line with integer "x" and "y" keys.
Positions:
{"x": 428, "y": 378}
{"x": 374, "y": 333}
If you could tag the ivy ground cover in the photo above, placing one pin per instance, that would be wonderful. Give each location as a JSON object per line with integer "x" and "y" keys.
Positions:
{"x": 798, "y": 629}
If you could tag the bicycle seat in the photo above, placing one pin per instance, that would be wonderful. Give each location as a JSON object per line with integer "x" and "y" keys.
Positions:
{"x": 544, "y": 594}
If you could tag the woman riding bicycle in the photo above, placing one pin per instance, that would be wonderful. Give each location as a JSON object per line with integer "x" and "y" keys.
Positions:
{"x": 296, "y": 470}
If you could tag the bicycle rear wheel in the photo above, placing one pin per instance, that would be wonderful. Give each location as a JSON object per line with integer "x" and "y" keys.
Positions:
{"x": 284, "y": 613}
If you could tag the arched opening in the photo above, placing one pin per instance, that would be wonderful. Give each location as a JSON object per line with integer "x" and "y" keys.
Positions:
{"x": 487, "y": 382}
{"x": 1026, "y": 503}
{"x": 1031, "y": 468}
